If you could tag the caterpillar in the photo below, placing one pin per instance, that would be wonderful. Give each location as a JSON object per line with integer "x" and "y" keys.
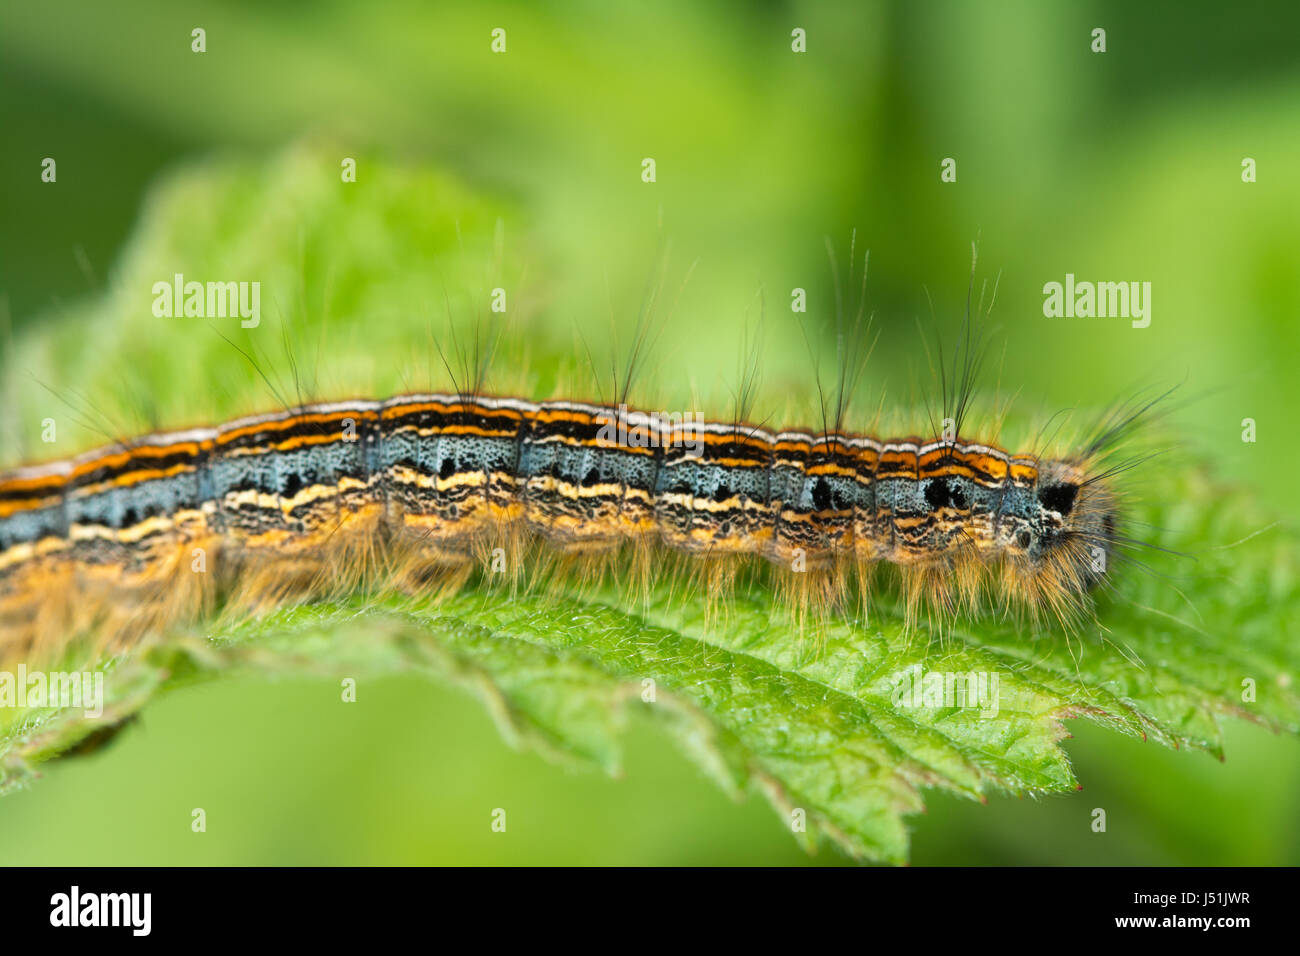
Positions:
{"x": 290, "y": 502}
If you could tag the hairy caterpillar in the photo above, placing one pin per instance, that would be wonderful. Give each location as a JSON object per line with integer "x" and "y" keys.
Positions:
{"x": 423, "y": 488}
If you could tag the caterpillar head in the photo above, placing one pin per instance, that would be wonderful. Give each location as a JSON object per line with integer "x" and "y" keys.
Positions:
{"x": 1075, "y": 522}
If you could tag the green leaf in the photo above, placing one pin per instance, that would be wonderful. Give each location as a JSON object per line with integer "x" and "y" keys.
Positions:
{"x": 812, "y": 718}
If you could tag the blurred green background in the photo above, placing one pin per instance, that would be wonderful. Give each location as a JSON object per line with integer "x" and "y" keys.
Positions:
{"x": 1124, "y": 165}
